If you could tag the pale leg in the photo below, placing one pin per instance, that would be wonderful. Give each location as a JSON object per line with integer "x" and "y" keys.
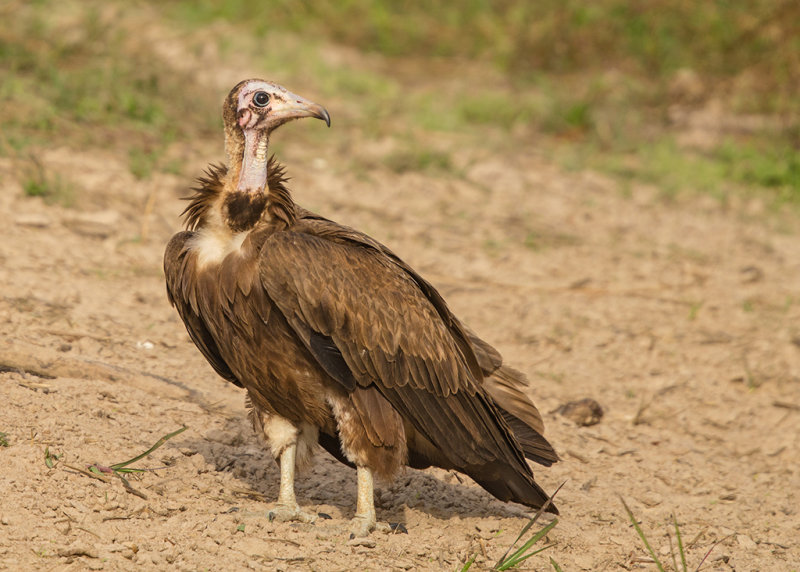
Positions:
{"x": 287, "y": 508}
{"x": 364, "y": 521}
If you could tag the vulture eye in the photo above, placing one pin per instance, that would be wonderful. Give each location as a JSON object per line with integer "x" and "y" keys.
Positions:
{"x": 261, "y": 99}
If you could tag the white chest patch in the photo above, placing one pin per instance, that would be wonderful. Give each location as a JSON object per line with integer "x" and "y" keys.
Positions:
{"x": 213, "y": 246}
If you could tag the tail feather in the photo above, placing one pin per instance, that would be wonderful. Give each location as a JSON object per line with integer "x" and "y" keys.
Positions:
{"x": 507, "y": 484}
{"x": 507, "y": 387}
{"x": 535, "y": 447}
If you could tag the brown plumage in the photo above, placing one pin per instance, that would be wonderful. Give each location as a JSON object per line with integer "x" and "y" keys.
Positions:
{"x": 336, "y": 340}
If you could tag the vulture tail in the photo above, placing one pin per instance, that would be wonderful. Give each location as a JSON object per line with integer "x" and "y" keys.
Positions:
{"x": 508, "y": 484}
{"x": 507, "y": 386}
{"x": 535, "y": 447}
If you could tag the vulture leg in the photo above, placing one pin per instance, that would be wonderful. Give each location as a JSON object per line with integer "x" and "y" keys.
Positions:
{"x": 291, "y": 446}
{"x": 287, "y": 508}
{"x": 364, "y": 521}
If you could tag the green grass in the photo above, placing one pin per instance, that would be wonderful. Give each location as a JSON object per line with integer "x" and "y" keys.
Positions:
{"x": 37, "y": 181}
{"x": 774, "y": 166}
{"x": 50, "y": 459}
{"x": 770, "y": 167}
{"x": 141, "y": 162}
{"x": 677, "y": 551}
{"x": 587, "y": 84}
{"x": 417, "y": 159}
{"x": 123, "y": 468}
{"x": 562, "y": 48}
{"x": 70, "y": 76}
{"x": 553, "y": 36}
{"x": 513, "y": 557}
{"x": 3, "y": 439}
{"x": 526, "y": 550}
{"x": 120, "y": 470}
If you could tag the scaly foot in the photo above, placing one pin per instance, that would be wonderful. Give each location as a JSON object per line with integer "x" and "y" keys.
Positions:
{"x": 284, "y": 512}
{"x": 364, "y": 522}
{"x": 362, "y": 525}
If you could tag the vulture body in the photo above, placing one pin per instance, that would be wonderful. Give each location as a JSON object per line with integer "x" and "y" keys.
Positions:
{"x": 335, "y": 339}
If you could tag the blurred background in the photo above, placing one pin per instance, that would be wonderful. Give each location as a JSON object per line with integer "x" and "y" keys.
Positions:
{"x": 689, "y": 96}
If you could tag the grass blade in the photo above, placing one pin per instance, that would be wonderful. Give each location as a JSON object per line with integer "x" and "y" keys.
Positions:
{"x": 129, "y": 488}
{"x": 713, "y": 546}
{"x": 519, "y": 555}
{"x": 94, "y": 475}
{"x": 529, "y": 525}
{"x": 48, "y": 460}
{"x": 681, "y": 550}
{"x": 672, "y": 554}
{"x": 514, "y": 563}
{"x": 640, "y": 532}
{"x": 468, "y": 563}
{"x": 555, "y": 565}
{"x": 679, "y": 539}
{"x": 158, "y": 443}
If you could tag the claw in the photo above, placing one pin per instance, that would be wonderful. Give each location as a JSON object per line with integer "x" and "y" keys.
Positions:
{"x": 398, "y": 528}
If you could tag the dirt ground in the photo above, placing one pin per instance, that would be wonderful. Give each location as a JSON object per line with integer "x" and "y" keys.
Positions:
{"x": 680, "y": 319}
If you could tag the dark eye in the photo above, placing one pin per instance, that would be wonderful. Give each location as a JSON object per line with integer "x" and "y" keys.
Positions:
{"x": 261, "y": 98}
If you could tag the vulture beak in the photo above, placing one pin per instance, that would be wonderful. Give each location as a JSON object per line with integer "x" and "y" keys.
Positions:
{"x": 295, "y": 107}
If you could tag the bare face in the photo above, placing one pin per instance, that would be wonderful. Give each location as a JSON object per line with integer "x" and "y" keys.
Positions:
{"x": 263, "y": 105}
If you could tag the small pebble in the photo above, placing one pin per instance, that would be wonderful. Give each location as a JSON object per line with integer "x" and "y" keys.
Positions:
{"x": 78, "y": 550}
{"x": 583, "y": 412}
{"x": 33, "y": 220}
{"x": 746, "y": 542}
{"x": 98, "y": 224}
{"x": 366, "y": 542}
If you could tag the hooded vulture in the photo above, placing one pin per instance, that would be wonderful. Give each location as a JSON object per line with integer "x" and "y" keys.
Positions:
{"x": 335, "y": 339}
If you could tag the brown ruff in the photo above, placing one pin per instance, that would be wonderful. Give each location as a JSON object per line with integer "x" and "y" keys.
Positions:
{"x": 212, "y": 185}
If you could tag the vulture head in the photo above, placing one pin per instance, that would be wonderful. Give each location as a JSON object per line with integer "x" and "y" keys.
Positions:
{"x": 252, "y": 110}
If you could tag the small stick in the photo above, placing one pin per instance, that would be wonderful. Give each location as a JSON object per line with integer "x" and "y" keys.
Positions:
{"x": 87, "y": 473}
{"x": 89, "y": 531}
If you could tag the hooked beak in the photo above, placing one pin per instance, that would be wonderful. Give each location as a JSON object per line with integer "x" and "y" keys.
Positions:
{"x": 295, "y": 107}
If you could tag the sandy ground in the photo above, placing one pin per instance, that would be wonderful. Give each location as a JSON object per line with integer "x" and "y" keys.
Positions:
{"x": 680, "y": 319}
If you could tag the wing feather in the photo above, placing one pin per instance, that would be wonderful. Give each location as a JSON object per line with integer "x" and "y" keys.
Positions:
{"x": 391, "y": 337}
{"x": 178, "y": 267}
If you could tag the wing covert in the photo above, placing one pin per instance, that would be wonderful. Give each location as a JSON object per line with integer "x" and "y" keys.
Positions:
{"x": 384, "y": 326}
{"x": 352, "y": 298}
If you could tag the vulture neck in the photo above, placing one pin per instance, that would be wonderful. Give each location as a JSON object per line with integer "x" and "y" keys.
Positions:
{"x": 255, "y": 190}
